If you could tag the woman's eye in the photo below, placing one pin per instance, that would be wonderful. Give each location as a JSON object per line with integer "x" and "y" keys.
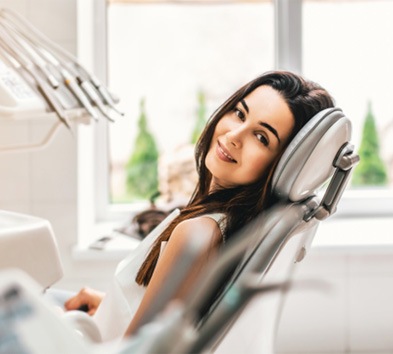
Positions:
{"x": 239, "y": 113}
{"x": 262, "y": 138}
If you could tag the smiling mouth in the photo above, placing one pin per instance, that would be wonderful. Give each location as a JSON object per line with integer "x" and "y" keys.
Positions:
{"x": 223, "y": 154}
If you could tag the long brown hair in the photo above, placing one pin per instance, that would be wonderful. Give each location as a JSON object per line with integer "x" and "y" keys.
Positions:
{"x": 241, "y": 204}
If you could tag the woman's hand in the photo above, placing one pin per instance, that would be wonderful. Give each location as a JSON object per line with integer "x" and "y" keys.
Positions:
{"x": 87, "y": 299}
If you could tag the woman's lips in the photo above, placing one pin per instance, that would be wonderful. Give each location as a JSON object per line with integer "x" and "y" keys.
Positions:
{"x": 223, "y": 154}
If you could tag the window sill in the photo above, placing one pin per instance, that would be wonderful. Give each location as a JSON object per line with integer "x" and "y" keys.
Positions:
{"x": 115, "y": 248}
{"x": 339, "y": 234}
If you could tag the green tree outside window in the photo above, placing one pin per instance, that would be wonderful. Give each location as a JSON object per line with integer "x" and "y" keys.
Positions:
{"x": 142, "y": 167}
{"x": 200, "y": 119}
{"x": 371, "y": 170}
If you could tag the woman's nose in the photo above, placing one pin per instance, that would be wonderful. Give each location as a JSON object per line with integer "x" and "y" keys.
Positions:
{"x": 235, "y": 137}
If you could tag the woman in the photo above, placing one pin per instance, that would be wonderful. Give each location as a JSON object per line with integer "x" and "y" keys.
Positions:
{"x": 236, "y": 156}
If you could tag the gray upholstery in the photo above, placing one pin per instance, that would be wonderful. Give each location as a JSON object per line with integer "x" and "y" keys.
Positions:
{"x": 268, "y": 249}
{"x": 308, "y": 160}
{"x": 262, "y": 254}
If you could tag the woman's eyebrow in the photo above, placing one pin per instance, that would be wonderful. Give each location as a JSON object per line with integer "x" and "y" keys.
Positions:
{"x": 263, "y": 124}
{"x": 245, "y": 105}
{"x": 270, "y": 128}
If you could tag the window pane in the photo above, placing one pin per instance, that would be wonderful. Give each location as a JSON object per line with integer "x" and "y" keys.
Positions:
{"x": 348, "y": 48}
{"x": 172, "y": 56}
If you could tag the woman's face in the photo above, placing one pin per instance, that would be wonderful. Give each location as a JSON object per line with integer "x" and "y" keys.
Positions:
{"x": 248, "y": 139}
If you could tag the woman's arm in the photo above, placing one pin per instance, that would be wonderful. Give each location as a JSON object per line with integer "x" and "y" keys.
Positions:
{"x": 208, "y": 235}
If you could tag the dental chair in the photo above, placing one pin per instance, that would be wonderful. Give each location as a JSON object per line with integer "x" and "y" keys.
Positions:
{"x": 308, "y": 183}
{"x": 279, "y": 239}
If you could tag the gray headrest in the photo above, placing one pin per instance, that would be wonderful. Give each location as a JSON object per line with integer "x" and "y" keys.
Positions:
{"x": 307, "y": 162}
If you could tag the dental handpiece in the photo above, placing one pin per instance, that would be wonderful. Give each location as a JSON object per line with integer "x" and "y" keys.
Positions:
{"x": 86, "y": 86}
{"x": 78, "y": 93}
{"x": 105, "y": 94}
{"x": 30, "y": 53}
{"x": 12, "y": 56}
{"x": 34, "y": 35}
{"x": 36, "y": 44}
{"x": 52, "y": 101}
{"x": 91, "y": 93}
{"x": 41, "y": 64}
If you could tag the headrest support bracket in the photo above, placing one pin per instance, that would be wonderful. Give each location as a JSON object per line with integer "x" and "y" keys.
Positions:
{"x": 344, "y": 163}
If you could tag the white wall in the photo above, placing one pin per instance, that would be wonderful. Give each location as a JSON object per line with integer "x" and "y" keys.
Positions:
{"x": 44, "y": 182}
{"x": 353, "y": 315}
{"x": 356, "y": 316}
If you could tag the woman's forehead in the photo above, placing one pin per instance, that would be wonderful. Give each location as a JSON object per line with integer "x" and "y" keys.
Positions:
{"x": 265, "y": 104}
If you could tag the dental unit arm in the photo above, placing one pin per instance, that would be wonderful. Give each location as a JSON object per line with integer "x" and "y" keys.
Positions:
{"x": 37, "y": 73}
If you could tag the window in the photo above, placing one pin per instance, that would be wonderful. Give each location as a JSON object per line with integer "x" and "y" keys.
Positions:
{"x": 168, "y": 54}
{"x": 179, "y": 59}
{"x": 354, "y": 62}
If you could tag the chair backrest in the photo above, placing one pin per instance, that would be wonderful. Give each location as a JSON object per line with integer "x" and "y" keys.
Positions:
{"x": 308, "y": 161}
{"x": 268, "y": 248}
{"x": 265, "y": 251}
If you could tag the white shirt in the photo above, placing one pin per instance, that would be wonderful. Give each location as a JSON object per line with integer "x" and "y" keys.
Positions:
{"x": 118, "y": 307}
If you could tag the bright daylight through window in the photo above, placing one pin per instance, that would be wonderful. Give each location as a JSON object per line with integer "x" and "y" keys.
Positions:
{"x": 165, "y": 64}
{"x": 355, "y": 62}
{"x": 172, "y": 64}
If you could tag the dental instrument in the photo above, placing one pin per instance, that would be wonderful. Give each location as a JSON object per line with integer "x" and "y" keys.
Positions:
{"x": 62, "y": 82}
{"x": 19, "y": 61}
{"x": 72, "y": 64}
{"x": 33, "y": 55}
{"x": 82, "y": 82}
{"x": 32, "y": 60}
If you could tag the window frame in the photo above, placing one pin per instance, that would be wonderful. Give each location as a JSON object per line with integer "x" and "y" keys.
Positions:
{"x": 288, "y": 55}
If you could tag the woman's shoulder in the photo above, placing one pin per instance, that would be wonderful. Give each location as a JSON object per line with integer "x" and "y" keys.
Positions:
{"x": 204, "y": 226}
{"x": 197, "y": 222}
